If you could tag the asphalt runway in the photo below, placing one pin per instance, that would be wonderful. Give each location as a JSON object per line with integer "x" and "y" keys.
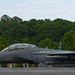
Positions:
{"x": 37, "y": 71}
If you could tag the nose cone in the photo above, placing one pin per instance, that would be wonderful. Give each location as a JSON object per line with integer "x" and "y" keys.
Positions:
{"x": 5, "y": 57}
{"x": 1, "y": 56}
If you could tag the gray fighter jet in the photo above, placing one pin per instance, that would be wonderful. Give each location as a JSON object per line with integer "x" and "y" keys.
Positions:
{"x": 28, "y": 53}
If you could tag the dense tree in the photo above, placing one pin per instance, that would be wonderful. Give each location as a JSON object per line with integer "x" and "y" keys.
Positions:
{"x": 16, "y": 19}
{"x": 47, "y": 43}
{"x": 26, "y": 40}
{"x": 3, "y": 43}
{"x": 15, "y": 29}
{"x": 68, "y": 41}
{"x": 5, "y": 18}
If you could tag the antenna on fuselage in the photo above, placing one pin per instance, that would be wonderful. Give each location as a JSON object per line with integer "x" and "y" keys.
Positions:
{"x": 46, "y": 47}
{"x": 60, "y": 45}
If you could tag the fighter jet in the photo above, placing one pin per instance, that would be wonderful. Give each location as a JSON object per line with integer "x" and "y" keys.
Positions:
{"x": 28, "y": 53}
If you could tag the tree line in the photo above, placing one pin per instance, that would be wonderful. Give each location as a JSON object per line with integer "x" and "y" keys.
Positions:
{"x": 45, "y": 33}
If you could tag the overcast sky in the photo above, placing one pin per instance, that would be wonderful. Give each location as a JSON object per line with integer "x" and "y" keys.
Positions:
{"x": 39, "y": 9}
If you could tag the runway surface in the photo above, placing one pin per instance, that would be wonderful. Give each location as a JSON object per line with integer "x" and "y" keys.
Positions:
{"x": 37, "y": 71}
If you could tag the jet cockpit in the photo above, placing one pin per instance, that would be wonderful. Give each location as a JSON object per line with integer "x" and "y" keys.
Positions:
{"x": 19, "y": 46}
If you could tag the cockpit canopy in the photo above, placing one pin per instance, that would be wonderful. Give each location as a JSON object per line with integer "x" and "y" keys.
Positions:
{"x": 19, "y": 46}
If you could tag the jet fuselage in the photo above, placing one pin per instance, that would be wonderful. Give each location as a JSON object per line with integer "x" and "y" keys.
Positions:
{"x": 33, "y": 54}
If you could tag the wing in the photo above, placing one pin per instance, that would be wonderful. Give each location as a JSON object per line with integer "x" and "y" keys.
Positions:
{"x": 56, "y": 54}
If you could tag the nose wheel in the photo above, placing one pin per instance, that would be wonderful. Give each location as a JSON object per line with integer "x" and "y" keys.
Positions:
{"x": 26, "y": 65}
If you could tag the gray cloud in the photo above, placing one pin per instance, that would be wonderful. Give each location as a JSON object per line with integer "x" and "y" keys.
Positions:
{"x": 39, "y": 9}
